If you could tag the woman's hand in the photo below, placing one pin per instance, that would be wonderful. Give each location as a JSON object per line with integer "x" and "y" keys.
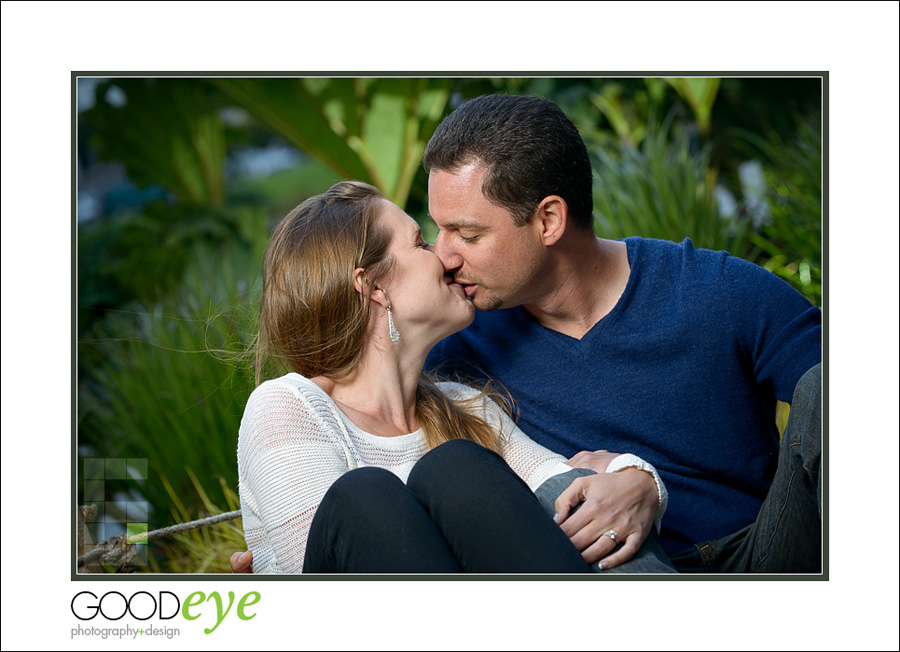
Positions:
{"x": 624, "y": 502}
{"x": 596, "y": 461}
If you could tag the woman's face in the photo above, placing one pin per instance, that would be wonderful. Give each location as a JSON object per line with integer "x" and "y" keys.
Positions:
{"x": 423, "y": 299}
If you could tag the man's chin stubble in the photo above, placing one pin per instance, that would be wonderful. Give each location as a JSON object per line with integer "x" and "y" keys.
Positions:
{"x": 493, "y": 303}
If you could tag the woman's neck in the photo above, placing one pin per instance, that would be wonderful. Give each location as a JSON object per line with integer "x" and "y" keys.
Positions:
{"x": 380, "y": 395}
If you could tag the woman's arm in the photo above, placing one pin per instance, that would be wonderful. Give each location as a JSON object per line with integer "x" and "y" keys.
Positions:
{"x": 288, "y": 457}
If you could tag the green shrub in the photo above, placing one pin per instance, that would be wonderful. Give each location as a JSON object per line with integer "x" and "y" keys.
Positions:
{"x": 206, "y": 549}
{"x": 789, "y": 244}
{"x": 662, "y": 190}
{"x": 168, "y": 381}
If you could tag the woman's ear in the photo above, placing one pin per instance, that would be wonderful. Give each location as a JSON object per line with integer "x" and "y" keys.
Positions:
{"x": 379, "y": 297}
{"x": 361, "y": 283}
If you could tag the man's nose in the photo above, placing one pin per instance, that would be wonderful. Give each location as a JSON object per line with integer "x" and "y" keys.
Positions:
{"x": 446, "y": 254}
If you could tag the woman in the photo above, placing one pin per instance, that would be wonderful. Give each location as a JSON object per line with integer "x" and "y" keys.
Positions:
{"x": 334, "y": 464}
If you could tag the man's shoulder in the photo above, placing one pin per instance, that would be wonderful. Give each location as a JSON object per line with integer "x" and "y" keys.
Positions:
{"x": 685, "y": 266}
{"x": 653, "y": 251}
{"x": 662, "y": 270}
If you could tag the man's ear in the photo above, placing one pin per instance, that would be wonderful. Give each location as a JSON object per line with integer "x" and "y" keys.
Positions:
{"x": 552, "y": 216}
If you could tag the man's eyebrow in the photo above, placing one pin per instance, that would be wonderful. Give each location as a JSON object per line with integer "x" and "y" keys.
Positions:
{"x": 462, "y": 224}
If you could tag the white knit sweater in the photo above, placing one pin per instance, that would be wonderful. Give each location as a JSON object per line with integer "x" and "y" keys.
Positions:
{"x": 294, "y": 443}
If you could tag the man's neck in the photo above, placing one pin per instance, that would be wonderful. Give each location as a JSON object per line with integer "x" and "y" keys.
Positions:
{"x": 586, "y": 278}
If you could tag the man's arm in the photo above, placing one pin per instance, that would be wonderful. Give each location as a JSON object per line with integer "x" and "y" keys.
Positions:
{"x": 625, "y": 502}
{"x": 780, "y": 331}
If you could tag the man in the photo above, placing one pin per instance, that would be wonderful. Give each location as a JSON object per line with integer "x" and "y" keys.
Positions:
{"x": 659, "y": 349}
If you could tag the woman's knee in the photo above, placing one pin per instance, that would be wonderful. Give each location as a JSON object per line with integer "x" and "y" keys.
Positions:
{"x": 361, "y": 490}
{"x": 452, "y": 460}
{"x": 361, "y": 517}
{"x": 462, "y": 473}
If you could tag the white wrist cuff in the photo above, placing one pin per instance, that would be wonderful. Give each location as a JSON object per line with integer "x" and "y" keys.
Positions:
{"x": 627, "y": 461}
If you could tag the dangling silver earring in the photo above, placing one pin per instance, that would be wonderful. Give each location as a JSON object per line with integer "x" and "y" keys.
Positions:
{"x": 395, "y": 336}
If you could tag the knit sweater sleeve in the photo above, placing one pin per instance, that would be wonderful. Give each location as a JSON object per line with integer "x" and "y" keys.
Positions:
{"x": 290, "y": 451}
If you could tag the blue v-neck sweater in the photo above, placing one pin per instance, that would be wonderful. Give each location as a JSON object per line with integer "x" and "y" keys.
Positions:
{"x": 683, "y": 372}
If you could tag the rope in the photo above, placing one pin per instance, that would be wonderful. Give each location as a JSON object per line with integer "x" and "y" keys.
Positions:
{"x": 184, "y": 527}
{"x": 120, "y": 550}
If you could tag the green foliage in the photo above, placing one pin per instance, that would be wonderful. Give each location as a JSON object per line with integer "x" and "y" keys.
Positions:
{"x": 621, "y": 114}
{"x": 206, "y": 549}
{"x": 167, "y": 132}
{"x": 609, "y": 112}
{"x": 632, "y": 107}
{"x": 661, "y": 190}
{"x": 790, "y": 243}
{"x": 281, "y": 191}
{"x": 700, "y": 94}
{"x": 143, "y": 255}
{"x": 370, "y": 129}
{"x": 168, "y": 381}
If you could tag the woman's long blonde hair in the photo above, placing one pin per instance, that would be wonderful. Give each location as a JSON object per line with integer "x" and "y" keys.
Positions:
{"x": 313, "y": 320}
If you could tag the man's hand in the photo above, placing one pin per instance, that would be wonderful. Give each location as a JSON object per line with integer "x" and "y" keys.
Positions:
{"x": 625, "y": 501}
{"x": 242, "y": 562}
{"x": 597, "y": 461}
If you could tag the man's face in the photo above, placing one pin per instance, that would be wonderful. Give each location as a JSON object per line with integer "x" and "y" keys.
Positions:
{"x": 493, "y": 259}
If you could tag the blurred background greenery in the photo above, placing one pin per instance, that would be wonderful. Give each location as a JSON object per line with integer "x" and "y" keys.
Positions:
{"x": 180, "y": 182}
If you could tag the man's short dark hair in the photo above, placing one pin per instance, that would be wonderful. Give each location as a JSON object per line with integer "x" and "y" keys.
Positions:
{"x": 531, "y": 150}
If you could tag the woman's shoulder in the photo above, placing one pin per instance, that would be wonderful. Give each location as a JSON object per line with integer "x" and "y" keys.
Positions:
{"x": 457, "y": 391}
{"x": 481, "y": 401}
{"x": 290, "y": 383}
{"x": 292, "y": 397}
{"x": 291, "y": 379}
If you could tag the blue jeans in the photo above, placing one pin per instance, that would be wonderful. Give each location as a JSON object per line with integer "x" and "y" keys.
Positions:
{"x": 786, "y": 537}
{"x": 650, "y": 558}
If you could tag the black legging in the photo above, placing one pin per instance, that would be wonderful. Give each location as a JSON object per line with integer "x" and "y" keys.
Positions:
{"x": 462, "y": 510}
